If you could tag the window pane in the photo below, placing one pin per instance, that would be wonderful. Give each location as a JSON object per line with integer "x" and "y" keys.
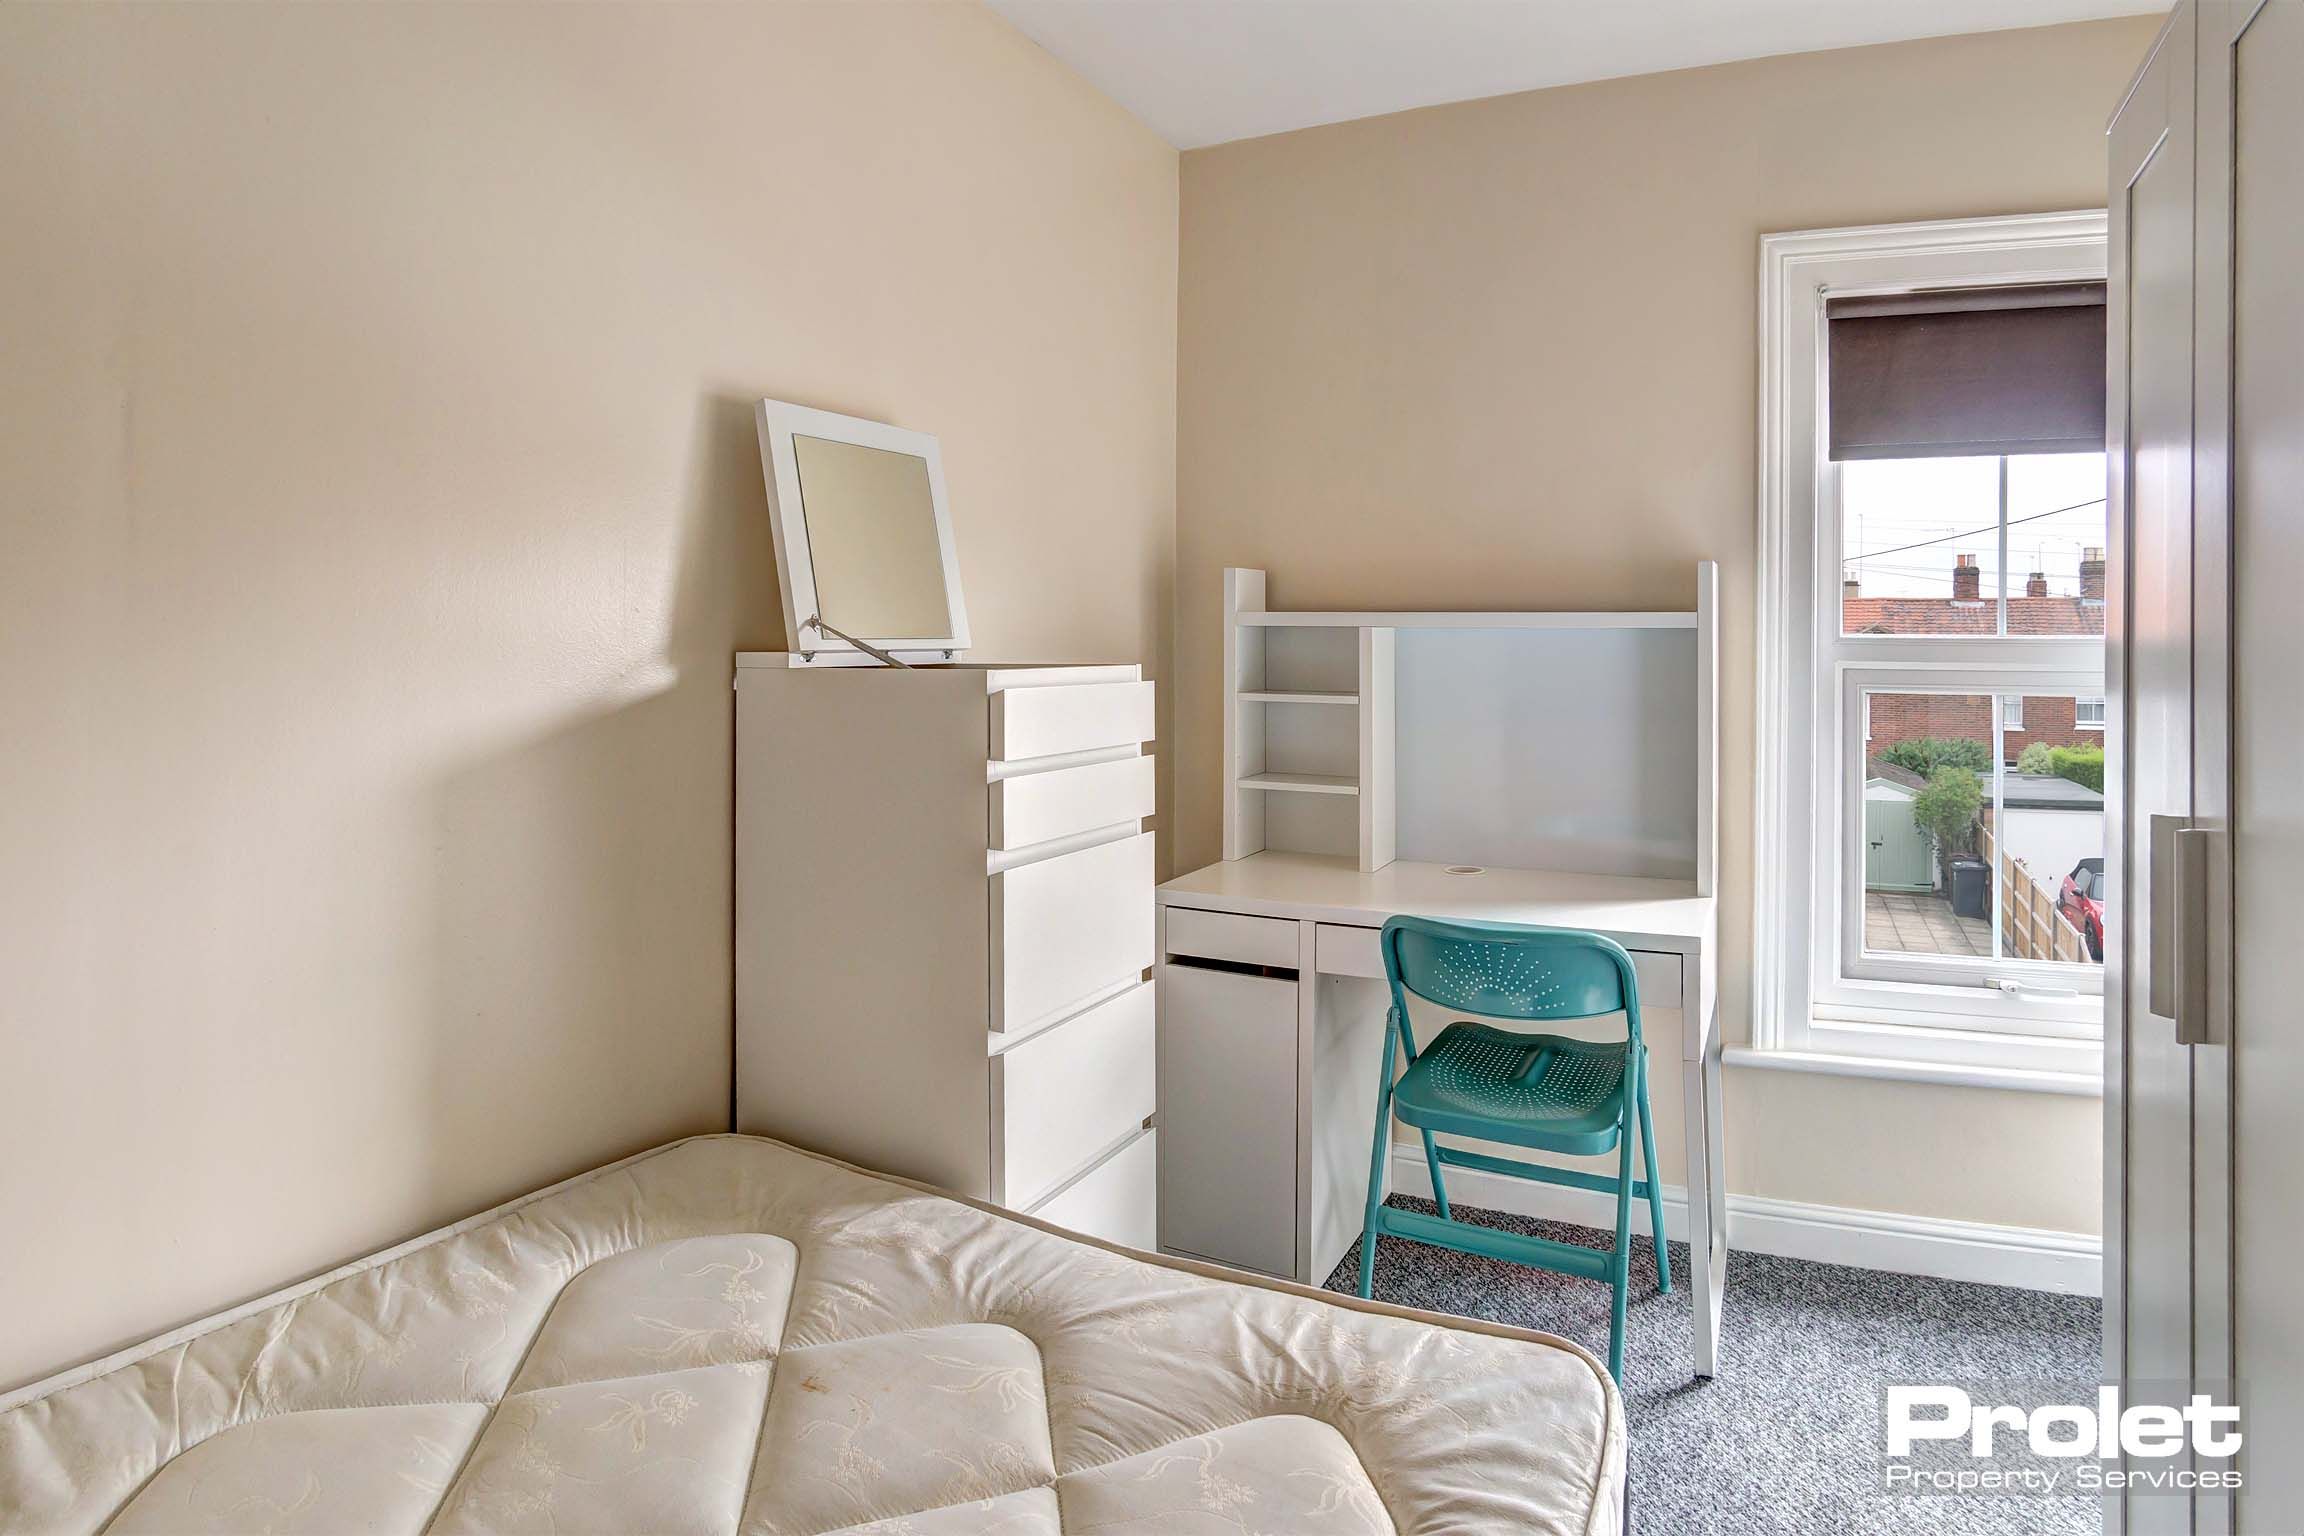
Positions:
{"x": 2044, "y": 835}
{"x": 1982, "y": 841}
{"x": 1927, "y": 790}
{"x": 1920, "y": 546}
{"x": 2056, "y": 512}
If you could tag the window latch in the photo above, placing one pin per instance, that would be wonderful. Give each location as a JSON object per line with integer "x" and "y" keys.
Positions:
{"x": 2016, "y": 987}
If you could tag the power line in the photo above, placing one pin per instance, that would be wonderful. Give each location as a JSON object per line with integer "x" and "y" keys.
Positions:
{"x": 2094, "y": 501}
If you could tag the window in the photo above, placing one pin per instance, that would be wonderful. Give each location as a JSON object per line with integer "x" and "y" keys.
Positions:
{"x": 1930, "y": 819}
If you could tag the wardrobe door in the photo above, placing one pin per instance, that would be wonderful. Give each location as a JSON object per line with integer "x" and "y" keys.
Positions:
{"x": 2253, "y": 54}
{"x": 2148, "y": 664}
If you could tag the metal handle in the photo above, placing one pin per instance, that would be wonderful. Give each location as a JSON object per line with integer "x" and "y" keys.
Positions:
{"x": 2178, "y": 957}
{"x": 886, "y": 659}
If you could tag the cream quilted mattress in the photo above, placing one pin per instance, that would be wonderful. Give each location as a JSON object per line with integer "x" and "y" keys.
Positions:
{"x": 728, "y": 1335}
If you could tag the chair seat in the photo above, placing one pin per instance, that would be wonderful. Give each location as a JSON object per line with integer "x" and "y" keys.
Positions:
{"x": 1545, "y": 1091}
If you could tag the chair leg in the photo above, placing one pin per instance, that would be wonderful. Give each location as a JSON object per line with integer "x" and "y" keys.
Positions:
{"x": 1383, "y": 1144}
{"x": 1620, "y": 1262}
{"x": 1439, "y": 1190}
{"x": 1655, "y": 1189}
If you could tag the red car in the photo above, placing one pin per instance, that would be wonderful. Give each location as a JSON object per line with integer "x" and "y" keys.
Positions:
{"x": 2082, "y": 902}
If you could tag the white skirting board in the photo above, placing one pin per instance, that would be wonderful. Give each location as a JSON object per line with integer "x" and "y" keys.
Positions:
{"x": 2033, "y": 1259}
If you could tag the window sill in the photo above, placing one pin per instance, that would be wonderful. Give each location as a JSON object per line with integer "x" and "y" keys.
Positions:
{"x": 1904, "y": 1070}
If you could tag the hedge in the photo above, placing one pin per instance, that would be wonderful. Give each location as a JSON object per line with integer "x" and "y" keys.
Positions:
{"x": 1929, "y": 753}
{"x": 2082, "y": 765}
{"x": 1946, "y": 808}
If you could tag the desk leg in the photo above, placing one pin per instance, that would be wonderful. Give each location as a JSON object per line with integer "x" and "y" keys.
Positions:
{"x": 1707, "y": 1185}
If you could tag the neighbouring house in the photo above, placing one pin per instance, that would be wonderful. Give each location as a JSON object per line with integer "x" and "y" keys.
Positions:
{"x": 2037, "y": 718}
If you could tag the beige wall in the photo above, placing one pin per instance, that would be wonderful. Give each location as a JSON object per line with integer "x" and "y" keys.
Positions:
{"x": 1501, "y": 354}
{"x": 379, "y": 507}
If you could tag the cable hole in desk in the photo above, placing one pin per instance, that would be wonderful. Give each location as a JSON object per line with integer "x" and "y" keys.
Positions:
{"x": 1465, "y": 869}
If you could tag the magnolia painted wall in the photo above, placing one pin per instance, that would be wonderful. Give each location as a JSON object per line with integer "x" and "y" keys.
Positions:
{"x": 379, "y": 507}
{"x": 1502, "y": 354}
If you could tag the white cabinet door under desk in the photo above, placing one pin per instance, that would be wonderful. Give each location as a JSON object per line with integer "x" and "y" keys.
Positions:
{"x": 1231, "y": 1101}
{"x": 1228, "y": 1121}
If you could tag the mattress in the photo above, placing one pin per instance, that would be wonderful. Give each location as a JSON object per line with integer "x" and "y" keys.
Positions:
{"x": 730, "y": 1335}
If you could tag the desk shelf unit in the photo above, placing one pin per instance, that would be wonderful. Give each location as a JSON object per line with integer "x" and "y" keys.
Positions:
{"x": 1557, "y": 769}
{"x": 1595, "y": 732}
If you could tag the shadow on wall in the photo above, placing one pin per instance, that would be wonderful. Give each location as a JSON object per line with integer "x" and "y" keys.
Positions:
{"x": 582, "y": 901}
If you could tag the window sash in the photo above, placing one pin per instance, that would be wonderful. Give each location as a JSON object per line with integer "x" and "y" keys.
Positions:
{"x": 2048, "y": 998}
{"x": 1831, "y": 559}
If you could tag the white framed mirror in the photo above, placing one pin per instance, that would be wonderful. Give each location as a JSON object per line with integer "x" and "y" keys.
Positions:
{"x": 864, "y": 547}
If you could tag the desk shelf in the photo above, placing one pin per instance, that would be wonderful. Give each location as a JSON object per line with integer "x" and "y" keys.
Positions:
{"x": 1537, "y": 738}
{"x": 1448, "y": 620}
{"x": 1304, "y": 783}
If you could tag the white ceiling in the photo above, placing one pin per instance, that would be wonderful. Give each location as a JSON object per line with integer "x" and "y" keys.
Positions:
{"x": 1208, "y": 71}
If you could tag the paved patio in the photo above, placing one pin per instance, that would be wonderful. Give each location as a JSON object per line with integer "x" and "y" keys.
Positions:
{"x": 1902, "y": 923}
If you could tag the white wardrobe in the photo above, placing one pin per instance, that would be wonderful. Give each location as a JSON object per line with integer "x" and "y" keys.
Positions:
{"x": 943, "y": 926}
{"x": 2205, "y": 1059}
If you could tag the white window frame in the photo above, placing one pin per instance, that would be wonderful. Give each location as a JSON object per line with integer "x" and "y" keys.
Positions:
{"x": 2079, "y": 723}
{"x": 1808, "y": 1009}
{"x": 2016, "y": 724}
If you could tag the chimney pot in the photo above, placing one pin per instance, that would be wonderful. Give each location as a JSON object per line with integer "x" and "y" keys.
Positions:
{"x": 2092, "y": 574}
{"x": 2038, "y": 585}
{"x": 1967, "y": 580}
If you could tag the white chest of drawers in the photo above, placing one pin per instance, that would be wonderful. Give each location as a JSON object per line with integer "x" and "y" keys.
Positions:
{"x": 943, "y": 924}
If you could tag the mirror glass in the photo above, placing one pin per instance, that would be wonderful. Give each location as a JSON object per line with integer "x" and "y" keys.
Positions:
{"x": 871, "y": 520}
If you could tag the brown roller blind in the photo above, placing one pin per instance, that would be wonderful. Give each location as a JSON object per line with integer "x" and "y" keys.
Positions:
{"x": 1967, "y": 372}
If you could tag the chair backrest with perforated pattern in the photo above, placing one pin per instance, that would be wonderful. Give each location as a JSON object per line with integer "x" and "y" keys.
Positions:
{"x": 1510, "y": 970}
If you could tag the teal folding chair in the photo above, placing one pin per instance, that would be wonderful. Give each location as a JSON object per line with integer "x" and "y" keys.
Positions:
{"x": 1547, "y": 1092}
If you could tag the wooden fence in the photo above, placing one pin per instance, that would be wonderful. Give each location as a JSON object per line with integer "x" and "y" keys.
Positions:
{"x": 2031, "y": 926}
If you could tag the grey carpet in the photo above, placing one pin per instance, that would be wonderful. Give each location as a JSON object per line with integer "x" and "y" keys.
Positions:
{"x": 1787, "y": 1438}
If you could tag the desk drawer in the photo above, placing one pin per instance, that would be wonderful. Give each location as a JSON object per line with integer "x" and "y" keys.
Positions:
{"x": 1065, "y": 1095}
{"x": 1037, "y": 807}
{"x": 1659, "y": 977}
{"x": 1119, "y": 1201}
{"x": 1271, "y": 941}
{"x": 1072, "y": 717}
{"x": 1343, "y": 950}
{"x": 1067, "y": 928}
{"x": 1347, "y": 951}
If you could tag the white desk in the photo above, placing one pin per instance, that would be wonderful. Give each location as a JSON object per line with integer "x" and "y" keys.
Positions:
{"x": 1233, "y": 938}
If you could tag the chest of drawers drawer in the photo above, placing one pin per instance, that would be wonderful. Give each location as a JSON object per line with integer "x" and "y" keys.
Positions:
{"x": 1067, "y": 928}
{"x": 1060, "y": 802}
{"x": 1069, "y": 717}
{"x": 1117, "y": 1200}
{"x": 1071, "y": 1093}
